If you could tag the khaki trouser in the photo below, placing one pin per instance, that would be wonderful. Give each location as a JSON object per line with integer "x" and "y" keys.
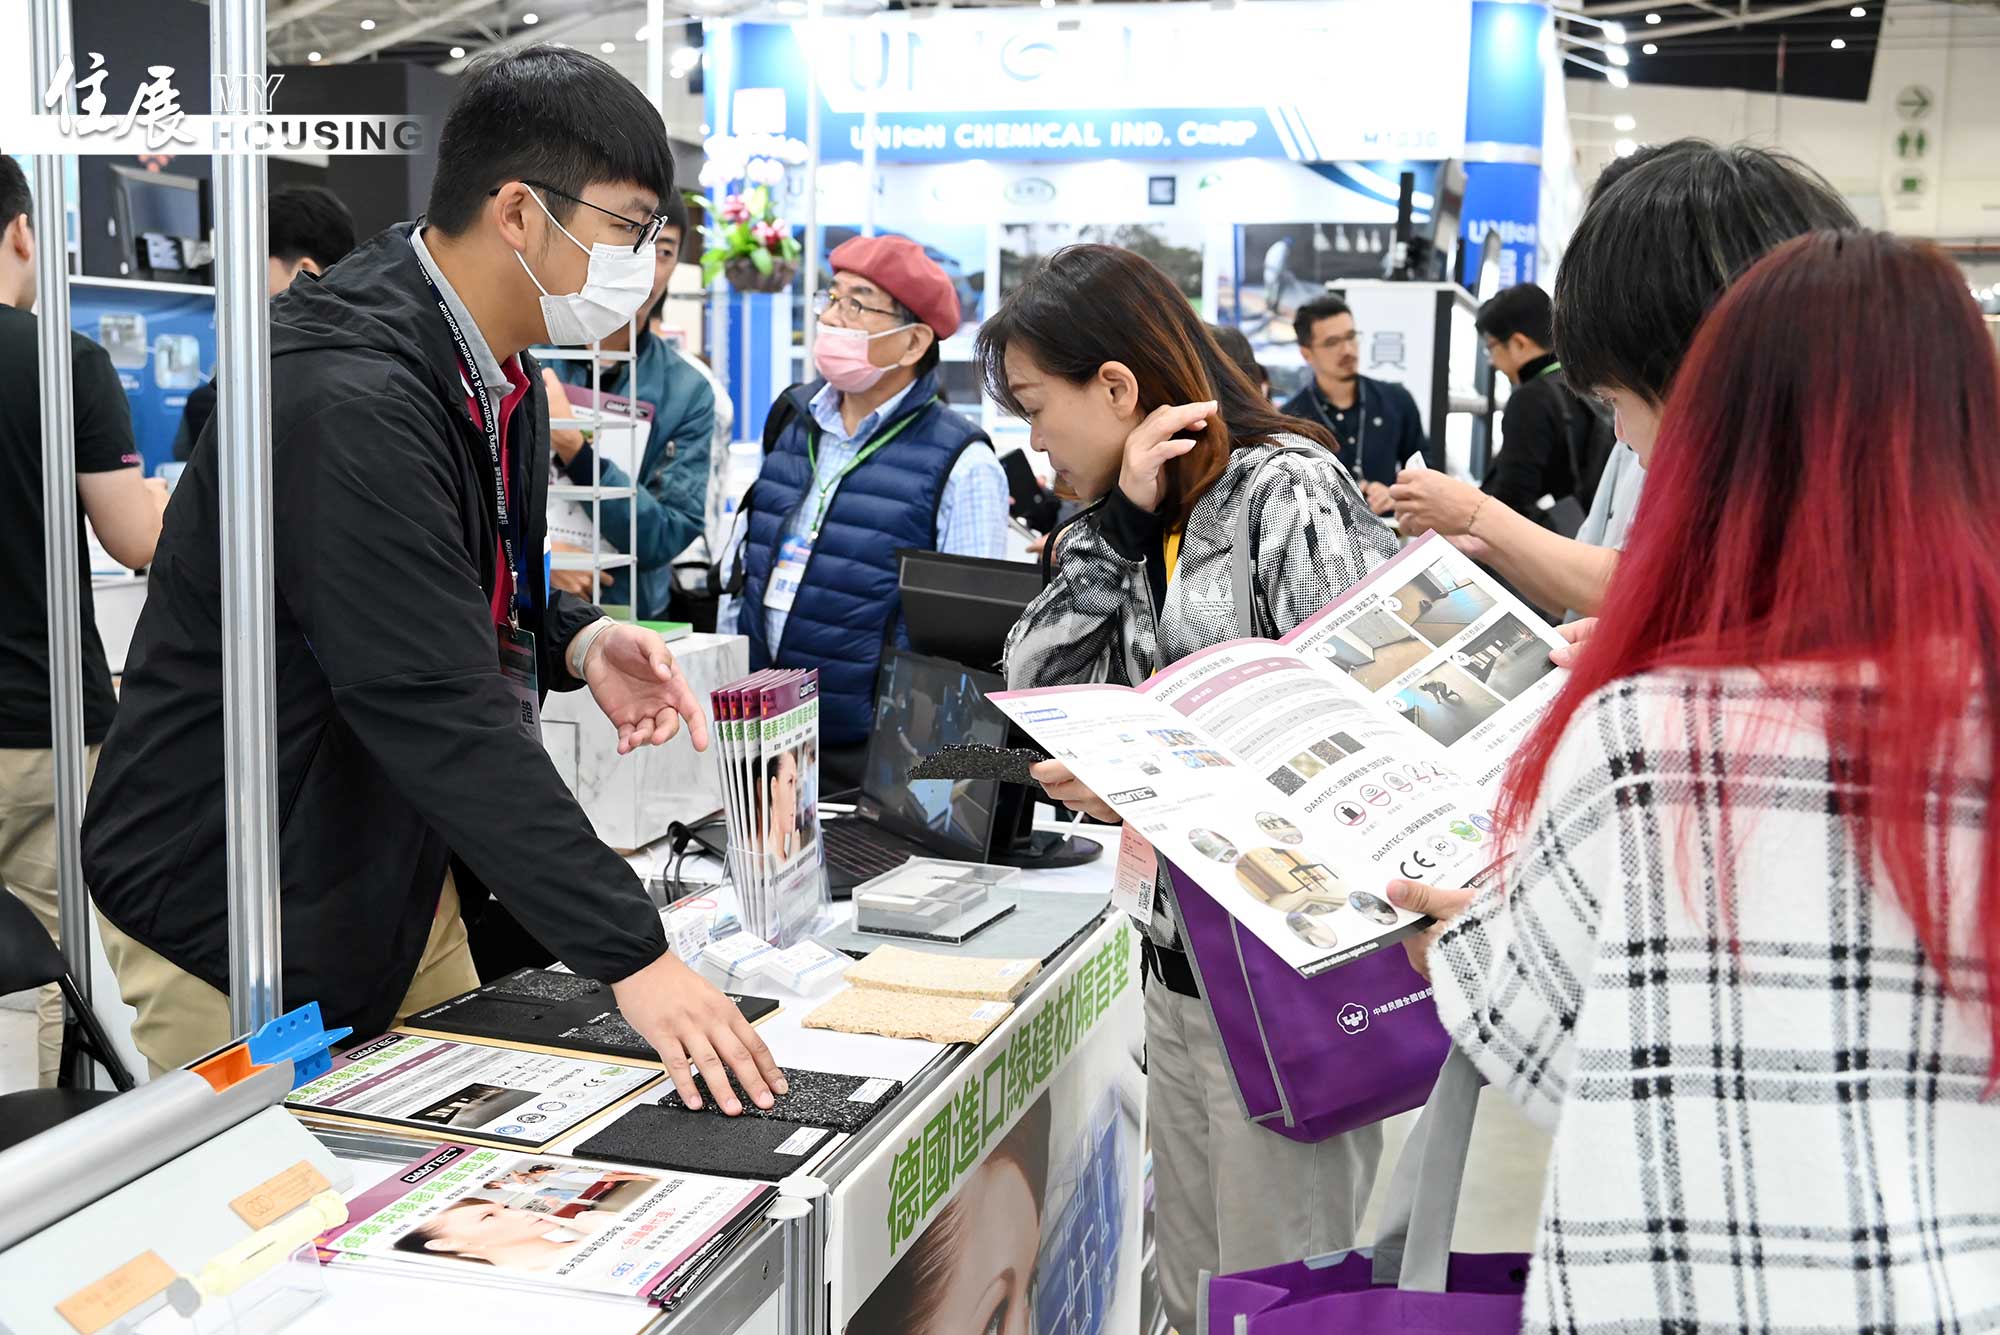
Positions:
{"x": 28, "y": 867}
{"x": 1227, "y": 1194}
{"x": 181, "y": 1017}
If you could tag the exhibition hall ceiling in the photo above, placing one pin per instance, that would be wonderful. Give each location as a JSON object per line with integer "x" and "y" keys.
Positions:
{"x": 1816, "y": 48}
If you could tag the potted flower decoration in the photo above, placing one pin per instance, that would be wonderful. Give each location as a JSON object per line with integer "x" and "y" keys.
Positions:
{"x": 745, "y": 238}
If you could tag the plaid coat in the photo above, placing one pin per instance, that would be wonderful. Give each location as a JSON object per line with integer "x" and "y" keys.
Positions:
{"x": 1791, "y": 1136}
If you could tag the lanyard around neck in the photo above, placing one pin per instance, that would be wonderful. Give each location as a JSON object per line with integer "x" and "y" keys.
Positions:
{"x": 861, "y": 457}
{"x": 1360, "y": 411}
{"x": 490, "y": 422}
{"x": 1549, "y": 370}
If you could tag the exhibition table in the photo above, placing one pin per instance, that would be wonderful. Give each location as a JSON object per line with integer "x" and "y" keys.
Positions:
{"x": 835, "y": 1230}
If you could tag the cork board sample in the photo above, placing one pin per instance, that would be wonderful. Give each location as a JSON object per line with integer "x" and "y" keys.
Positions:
{"x": 870, "y": 1010}
{"x": 894, "y": 969}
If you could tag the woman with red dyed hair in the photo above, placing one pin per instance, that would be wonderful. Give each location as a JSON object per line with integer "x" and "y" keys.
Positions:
{"x": 1745, "y": 959}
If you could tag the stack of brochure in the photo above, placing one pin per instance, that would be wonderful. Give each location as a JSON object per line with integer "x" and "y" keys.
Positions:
{"x": 540, "y": 1221}
{"x": 768, "y": 730}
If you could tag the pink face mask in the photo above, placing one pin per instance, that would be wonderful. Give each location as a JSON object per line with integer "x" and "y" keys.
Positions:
{"x": 842, "y": 357}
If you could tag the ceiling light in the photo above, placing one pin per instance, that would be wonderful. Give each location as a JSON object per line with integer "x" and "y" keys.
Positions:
{"x": 458, "y": 53}
{"x": 531, "y": 19}
{"x": 1624, "y": 148}
{"x": 1622, "y": 124}
{"x": 1838, "y": 43}
{"x": 608, "y": 47}
{"x": 1048, "y": 4}
{"x": 313, "y": 56}
{"x": 368, "y": 25}
{"x": 1614, "y": 33}
{"x": 1652, "y": 18}
{"x": 790, "y": 8}
{"x": 1618, "y": 79}
{"x": 644, "y": 34}
{"x": 1650, "y": 49}
{"x": 1619, "y": 56}
{"x": 1857, "y": 13}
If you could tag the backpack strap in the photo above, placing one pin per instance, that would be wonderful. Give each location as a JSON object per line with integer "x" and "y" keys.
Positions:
{"x": 1243, "y": 564}
{"x": 783, "y": 410}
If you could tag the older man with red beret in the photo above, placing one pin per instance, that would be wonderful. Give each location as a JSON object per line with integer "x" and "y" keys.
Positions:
{"x": 869, "y": 459}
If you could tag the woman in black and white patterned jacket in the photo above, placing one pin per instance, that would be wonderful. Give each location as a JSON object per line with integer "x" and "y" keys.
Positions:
{"x": 1142, "y": 413}
{"x": 1746, "y": 958}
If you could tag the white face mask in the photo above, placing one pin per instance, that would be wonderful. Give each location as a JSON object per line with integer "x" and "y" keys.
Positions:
{"x": 615, "y": 285}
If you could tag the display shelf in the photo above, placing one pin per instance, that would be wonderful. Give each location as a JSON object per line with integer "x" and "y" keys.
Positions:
{"x": 602, "y": 422}
{"x": 579, "y": 355}
{"x": 587, "y": 561}
{"x": 570, "y": 491}
{"x": 602, "y": 427}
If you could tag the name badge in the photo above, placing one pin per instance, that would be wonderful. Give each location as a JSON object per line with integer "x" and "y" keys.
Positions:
{"x": 791, "y": 572}
{"x": 1136, "y": 875}
{"x": 517, "y": 665}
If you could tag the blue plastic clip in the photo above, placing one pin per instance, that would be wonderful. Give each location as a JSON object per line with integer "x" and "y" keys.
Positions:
{"x": 301, "y": 1038}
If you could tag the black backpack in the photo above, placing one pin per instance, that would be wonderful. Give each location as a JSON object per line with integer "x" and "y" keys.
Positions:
{"x": 1589, "y": 434}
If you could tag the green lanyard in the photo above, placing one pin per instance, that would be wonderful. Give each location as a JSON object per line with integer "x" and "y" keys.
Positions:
{"x": 1548, "y": 370}
{"x": 866, "y": 451}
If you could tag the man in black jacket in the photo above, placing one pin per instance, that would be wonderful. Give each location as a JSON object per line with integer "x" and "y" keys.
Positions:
{"x": 414, "y": 628}
{"x": 1551, "y": 441}
{"x": 309, "y": 231}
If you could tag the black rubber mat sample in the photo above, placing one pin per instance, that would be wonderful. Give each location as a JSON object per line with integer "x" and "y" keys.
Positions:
{"x": 553, "y": 1010}
{"x": 653, "y": 1136}
{"x": 815, "y": 1098}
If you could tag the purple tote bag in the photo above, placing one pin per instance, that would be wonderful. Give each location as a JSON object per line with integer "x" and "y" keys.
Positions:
{"x": 1409, "y": 1283}
{"x": 1311, "y": 1057}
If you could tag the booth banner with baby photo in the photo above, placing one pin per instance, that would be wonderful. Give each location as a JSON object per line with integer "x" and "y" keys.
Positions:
{"x": 1011, "y": 1198}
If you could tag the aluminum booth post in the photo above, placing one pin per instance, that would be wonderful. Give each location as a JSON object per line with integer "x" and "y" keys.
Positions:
{"x": 243, "y": 440}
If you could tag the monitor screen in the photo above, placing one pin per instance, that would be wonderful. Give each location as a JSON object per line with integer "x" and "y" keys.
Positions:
{"x": 161, "y": 204}
{"x": 921, "y": 706}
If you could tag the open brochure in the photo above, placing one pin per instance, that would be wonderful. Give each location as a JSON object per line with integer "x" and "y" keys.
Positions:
{"x": 499, "y": 1217}
{"x": 1292, "y": 779}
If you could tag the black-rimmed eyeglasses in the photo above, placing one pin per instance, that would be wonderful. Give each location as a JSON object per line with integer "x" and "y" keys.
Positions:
{"x": 647, "y": 232}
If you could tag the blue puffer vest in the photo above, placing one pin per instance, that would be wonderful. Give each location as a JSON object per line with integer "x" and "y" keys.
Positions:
{"x": 848, "y": 604}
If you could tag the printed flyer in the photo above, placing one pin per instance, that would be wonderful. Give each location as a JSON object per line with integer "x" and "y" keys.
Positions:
{"x": 1291, "y": 779}
{"x": 452, "y": 1089}
{"x": 495, "y": 1216}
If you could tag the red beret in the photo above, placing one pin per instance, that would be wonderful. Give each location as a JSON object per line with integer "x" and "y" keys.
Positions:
{"x": 899, "y": 267}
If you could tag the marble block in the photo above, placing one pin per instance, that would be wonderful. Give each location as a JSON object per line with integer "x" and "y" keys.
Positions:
{"x": 631, "y": 800}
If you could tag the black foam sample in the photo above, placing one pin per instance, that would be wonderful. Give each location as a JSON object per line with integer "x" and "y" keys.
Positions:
{"x": 764, "y": 1149}
{"x": 555, "y": 1010}
{"x": 974, "y": 760}
{"x": 814, "y": 1098}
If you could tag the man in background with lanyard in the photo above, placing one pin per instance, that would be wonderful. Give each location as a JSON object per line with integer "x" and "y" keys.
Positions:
{"x": 868, "y": 460}
{"x": 1551, "y": 442}
{"x": 1374, "y": 422}
{"x": 414, "y": 631}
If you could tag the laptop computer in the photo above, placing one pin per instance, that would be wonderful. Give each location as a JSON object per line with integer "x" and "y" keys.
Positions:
{"x": 921, "y": 705}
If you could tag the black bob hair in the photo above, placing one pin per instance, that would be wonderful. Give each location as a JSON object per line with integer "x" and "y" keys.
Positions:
{"x": 1661, "y": 241}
